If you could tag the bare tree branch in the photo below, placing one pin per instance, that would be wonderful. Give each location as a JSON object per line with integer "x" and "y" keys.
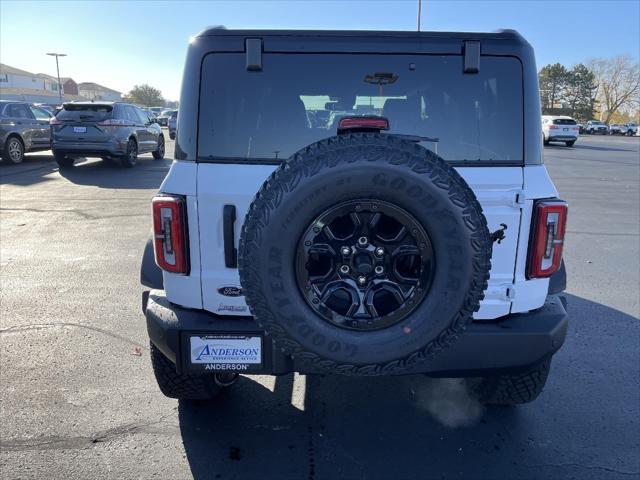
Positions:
{"x": 618, "y": 81}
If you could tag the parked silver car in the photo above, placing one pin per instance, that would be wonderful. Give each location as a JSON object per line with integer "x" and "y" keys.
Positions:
{"x": 163, "y": 118}
{"x": 105, "y": 129}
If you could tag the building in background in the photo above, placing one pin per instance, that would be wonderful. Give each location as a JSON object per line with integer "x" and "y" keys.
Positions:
{"x": 69, "y": 86}
{"x": 94, "y": 91}
{"x": 16, "y": 84}
{"x": 11, "y": 77}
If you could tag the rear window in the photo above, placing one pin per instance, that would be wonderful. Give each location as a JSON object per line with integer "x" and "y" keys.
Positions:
{"x": 300, "y": 98}
{"x": 84, "y": 112}
{"x": 564, "y": 121}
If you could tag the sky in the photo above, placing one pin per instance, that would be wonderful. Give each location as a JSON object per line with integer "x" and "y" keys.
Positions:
{"x": 119, "y": 44}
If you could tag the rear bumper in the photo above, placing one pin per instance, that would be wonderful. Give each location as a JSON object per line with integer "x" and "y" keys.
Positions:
{"x": 510, "y": 344}
{"x": 112, "y": 148}
{"x": 563, "y": 138}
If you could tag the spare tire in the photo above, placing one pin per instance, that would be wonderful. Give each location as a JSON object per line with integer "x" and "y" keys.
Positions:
{"x": 364, "y": 254}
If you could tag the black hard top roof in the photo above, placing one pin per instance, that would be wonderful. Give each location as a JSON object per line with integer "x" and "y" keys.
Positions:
{"x": 503, "y": 34}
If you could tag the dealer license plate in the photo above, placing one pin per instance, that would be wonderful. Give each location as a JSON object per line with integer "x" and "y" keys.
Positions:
{"x": 79, "y": 129}
{"x": 225, "y": 352}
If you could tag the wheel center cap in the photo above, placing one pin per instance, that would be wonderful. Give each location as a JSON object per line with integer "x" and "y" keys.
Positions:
{"x": 363, "y": 263}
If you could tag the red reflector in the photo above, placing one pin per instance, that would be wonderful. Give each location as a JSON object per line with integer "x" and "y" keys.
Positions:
{"x": 169, "y": 233}
{"x": 353, "y": 123}
{"x": 547, "y": 238}
{"x": 552, "y": 126}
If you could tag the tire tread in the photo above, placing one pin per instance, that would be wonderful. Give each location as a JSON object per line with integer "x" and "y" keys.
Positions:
{"x": 181, "y": 386}
{"x": 361, "y": 147}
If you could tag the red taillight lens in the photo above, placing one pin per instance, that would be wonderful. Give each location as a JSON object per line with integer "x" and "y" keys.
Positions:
{"x": 170, "y": 234}
{"x": 547, "y": 238}
{"x": 552, "y": 126}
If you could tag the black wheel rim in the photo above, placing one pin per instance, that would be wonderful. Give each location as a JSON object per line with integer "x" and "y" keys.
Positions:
{"x": 364, "y": 264}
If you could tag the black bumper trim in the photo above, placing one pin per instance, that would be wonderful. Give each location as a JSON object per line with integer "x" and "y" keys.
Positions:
{"x": 510, "y": 344}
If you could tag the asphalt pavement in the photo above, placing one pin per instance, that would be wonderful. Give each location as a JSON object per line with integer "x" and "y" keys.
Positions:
{"x": 78, "y": 398}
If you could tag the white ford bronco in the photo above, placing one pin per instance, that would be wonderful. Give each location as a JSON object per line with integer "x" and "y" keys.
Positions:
{"x": 357, "y": 203}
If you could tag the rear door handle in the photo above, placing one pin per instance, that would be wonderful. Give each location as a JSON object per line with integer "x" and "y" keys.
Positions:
{"x": 228, "y": 224}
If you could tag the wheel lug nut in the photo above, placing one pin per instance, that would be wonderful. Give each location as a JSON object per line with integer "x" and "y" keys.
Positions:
{"x": 363, "y": 242}
{"x": 379, "y": 269}
{"x": 344, "y": 268}
{"x": 379, "y": 251}
{"x": 345, "y": 251}
{"x": 362, "y": 279}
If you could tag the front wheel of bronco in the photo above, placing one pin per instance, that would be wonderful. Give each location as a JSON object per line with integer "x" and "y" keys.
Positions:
{"x": 181, "y": 386}
{"x": 511, "y": 389}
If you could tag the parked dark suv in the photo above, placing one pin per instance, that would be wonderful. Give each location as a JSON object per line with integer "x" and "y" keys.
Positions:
{"x": 107, "y": 130}
{"x": 23, "y": 128}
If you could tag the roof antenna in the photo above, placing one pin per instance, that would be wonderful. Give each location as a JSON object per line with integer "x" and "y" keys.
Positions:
{"x": 419, "y": 12}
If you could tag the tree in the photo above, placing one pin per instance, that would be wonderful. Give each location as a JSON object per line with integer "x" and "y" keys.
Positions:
{"x": 552, "y": 80}
{"x": 144, "y": 95}
{"x": 580, "y": 92}
{"x": 618, "y": 82}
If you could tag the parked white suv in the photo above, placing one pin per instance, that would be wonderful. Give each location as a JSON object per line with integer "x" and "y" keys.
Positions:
{"x": 596, "y": 126}
{"x": 559, "y": 129}
{"x": 615, "y": 129}
{"x": 353, "y": 245}
{"x": 629, "y": 129}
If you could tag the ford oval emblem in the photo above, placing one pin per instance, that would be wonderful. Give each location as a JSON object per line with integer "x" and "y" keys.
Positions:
{"x": 230, "y": 291}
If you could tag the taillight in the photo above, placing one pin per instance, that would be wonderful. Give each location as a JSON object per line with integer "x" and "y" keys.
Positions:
{"x": 552, "y": 126}
{"x": 170, "y": 234}
{"x": 363, "y": 123}
{"x": 547, "y": 238}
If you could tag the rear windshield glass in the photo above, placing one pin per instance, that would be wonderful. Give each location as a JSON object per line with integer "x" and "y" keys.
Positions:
{"x": 298, "y": 99}
{"x": 91, "y": 113}
{"x": 564, "y": 121}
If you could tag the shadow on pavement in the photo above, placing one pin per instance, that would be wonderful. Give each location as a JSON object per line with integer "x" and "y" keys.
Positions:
{"x": 148, "y": 173}
{"x": 36, "y": 168}
{"x": 382, "y": 427}
{"x": 33, "y": 169}
{"x": 603, "y": 149}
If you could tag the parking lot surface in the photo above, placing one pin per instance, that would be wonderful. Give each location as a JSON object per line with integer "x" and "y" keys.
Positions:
{"x": 78, "y": 398}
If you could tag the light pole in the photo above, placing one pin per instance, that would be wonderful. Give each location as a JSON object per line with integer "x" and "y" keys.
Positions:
{"x": 58, "y": 70}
